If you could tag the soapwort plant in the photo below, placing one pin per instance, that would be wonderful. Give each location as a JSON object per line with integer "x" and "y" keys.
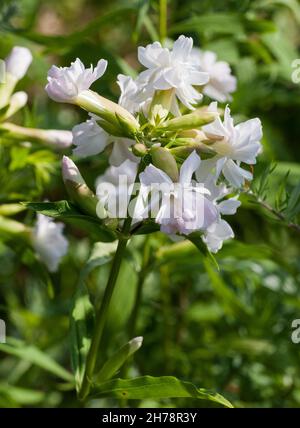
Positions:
{"x": 177, "y": 163}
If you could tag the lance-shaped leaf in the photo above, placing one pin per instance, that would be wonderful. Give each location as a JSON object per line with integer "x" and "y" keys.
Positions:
{"x": 148, "y": 387}
{"x": 68, "y": 213}
{"x": 35, "y": 356}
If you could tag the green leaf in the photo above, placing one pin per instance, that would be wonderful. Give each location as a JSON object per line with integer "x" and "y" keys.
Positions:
{"x": 35, "y": 356}
{"x": 146, "y": 227}
{"x": 22, "y": 396}
{"x": 146, "y": 387}
{"x": 81, "y": 326}
{"x": 67, "y": 212}
{"x": 214, "y": 23}
{"x": 115, "y": 362}
{"x": 293, "y": 207}
{"x": 65, "y": 42}
{"x": 82, "y": 314}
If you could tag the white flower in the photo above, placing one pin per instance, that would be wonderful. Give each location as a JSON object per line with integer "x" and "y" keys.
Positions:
{"x": 49, "y": 241}
{"x": 216, "y": 234}
{"x": 183, "y": 207}
{"x": 115, "y": 186}
{"x": 66, "y": 83}
{"x": 220, "y": 230}
{"x": 89, "y": 138}
{"x": 18, "y": 62}
{"x": 234, "y": 144}
{"x": 173, "y": 69}
{"x": 136, "y": 95}
{"x": 221, "y": 82}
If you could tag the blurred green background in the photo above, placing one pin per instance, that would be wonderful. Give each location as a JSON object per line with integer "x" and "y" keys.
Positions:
{"x": 229, "y": 331}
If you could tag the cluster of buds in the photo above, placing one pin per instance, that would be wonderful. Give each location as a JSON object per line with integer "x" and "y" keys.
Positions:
{"x": 160, "y": 133}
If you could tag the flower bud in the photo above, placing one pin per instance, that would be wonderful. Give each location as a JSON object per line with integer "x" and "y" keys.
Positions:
{"x": 17, "y": 101}
{"x": 57, "y": 138}
{"x": 164, "y": 160}
{"x": 139, "y": 150}
{"x": 13, "y": 227}
{"x": 121, "y": 120}
{"x": 16, "y": 66}
{"x": 161, "y": 105}
{"x": 184, "y": 151}
{"x": 113, "y": 364}
{"x": 18, "y": 62}
{"x": 189, "y": 121}
{"x": 195, "y": 134}
{"x": 77, "y": 189}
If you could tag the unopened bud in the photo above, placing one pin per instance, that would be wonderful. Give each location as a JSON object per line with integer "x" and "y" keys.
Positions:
{"x": 184, "y": 151}
{"x": 59, "y": 139}
{"x": 17, "y": 101}
{"x": 161, "y": 105}
{"x": 16, "y": 66}
{"x": 189, "y": 121}
{"x": 139, "y": 150}
{"x": 77, "y": 189}
{"x": 194, "y": 134}
{"x": 113, "y": 364}
{"x": 164, "y": 160}
{"x": 120, "y": 119}
{"x": 18, "y": 61}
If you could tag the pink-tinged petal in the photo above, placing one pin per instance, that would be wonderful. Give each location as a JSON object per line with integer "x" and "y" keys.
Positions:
{"x": 152, "y": 175}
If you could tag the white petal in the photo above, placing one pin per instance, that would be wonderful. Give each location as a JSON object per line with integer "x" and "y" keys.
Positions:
{"x": 182, "y": 47}
{"x": 152, "y": 175}
{"x": 229, "y": 206}
{"x": 216, "y": 234}
{"x": 235, "y": 174}
{"x": 189, "y": 166}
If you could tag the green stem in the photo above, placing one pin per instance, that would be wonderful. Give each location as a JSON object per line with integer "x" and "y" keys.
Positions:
{"x": 141, "y": 279}
{"x": 103, "y": 310}
{"x": 163, "y": 20}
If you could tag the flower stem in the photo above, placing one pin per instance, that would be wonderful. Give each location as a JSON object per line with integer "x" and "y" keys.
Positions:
{"x": 163, "y": 20}
{"x": 103, "y": 310}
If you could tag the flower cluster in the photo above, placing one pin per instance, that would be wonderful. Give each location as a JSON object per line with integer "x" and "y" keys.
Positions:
{"x": 163, "y": 132}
